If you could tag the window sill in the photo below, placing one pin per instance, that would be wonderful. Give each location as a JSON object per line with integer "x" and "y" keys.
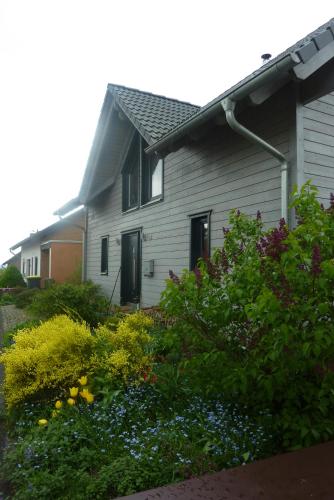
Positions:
{"x": 133, "y": 209}
{"x": 152, "y": 202}
{"x": 104, "y": 274}
{"x": 144, "y": 205}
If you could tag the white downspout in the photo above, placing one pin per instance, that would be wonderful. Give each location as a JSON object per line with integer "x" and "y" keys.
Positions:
{"x": 229, "y": 106}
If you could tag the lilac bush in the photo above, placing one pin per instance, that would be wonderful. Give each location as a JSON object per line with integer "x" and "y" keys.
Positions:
{"x": 261, "y": 318}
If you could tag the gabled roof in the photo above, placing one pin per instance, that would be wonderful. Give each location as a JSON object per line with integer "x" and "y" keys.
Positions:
{"x": 152, "y": 115}
{"x": 73, "y": 218}
{"x": 12, "y": 260}
{"x": 299, "y": 54}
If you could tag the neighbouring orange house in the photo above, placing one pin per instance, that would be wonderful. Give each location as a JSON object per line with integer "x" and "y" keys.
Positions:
{"x": 54, "y": 254}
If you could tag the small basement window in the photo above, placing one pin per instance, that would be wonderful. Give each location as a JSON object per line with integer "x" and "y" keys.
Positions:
{"x": 104, "y": 254}
{"x": 199, "y": 238}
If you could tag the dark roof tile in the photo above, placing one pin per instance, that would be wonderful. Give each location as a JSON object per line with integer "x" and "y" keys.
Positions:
{"x": 154, "y": 114}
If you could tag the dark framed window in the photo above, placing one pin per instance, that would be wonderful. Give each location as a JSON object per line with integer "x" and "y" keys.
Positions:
{"x": 152, "y": 177}
{"x": 23, "y": 267}
{"x": 131, "y": 176}
{"x": 142, "y": 176}
{"x": 104, "y": 254}
{"x": 28, "y": 267}
{"x": 199, "y": 238}
{"x": 36, "y": 266}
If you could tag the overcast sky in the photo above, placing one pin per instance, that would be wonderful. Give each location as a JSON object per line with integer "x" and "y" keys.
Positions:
{"x": 58, "y": 56}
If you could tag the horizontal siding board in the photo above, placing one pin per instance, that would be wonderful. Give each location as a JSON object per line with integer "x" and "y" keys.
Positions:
{"x": 320, "y": 149}
{"x": 318, "y": 159}
{"x": 319, "y": 127}
{"x": 319, "y": 170}
{"x": 320, "y": 106}
{"x": 328, "y": 99}
{"x": 319, "y": 145}
{"x": 318, "y": 117}
{"x": 321, "y": 138}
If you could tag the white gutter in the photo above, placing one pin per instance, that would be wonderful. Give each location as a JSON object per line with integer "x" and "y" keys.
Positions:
{"x": 228, "y": 105}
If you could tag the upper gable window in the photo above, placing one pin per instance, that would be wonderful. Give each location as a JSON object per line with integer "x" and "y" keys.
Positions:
{"x": 131, "y": 176}
{"x": 142, "y": 176}
{"x": 151, "y": 178}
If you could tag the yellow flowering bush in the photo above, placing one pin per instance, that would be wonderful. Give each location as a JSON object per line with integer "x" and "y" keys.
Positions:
{"x": 61, "y": 352}
{"x": 46, "y": 358}
{"x": 121, "y": 353}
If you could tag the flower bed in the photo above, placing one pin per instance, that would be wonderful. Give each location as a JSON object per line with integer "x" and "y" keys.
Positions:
{"x": 103, "y": 451}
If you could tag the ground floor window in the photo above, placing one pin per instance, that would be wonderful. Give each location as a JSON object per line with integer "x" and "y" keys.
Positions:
{"x": 199, "y": 237}
{"x": 36, "y": 267}
{"x": 104, "y": 254}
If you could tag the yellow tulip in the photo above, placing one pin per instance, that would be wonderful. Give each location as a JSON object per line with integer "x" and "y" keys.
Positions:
{"x": 71, "y": 401}
{"x": 42, "y": 421}
{"x": 90, "y": 398}
{"x": 84, "y": 393}
{"x": 83, "y": 380}
{"x": 74, "y": 392}
{"x": 58, "y": 404}
{"x": 54, "y": 413}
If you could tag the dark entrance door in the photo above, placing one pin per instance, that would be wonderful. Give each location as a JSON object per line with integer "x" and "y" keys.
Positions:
{"x": 131, "y": 267}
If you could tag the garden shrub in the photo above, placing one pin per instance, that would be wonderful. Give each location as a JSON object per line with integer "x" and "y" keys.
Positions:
{"x": 24, "y": 297}
{"x": 76, "y": 277}
{"x": 11, "y": 277}
{"x": 6, "y": 299}
{"x": 85, "y": 302}
{"x": 46, "y": 358}
{"x": 261, "y": 311}
{"x": 121, "y": 354}
{"x": 9, "y": 334}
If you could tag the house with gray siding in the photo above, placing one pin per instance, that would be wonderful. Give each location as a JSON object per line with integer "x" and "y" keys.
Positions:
{"x": 163, "y": 175}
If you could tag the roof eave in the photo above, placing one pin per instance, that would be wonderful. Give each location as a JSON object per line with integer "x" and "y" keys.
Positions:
{"x": 68, "y": 207}
{"x": 284, "y": 65}
{"x": 105, "y": 113}
{"x": 39, "y": 234}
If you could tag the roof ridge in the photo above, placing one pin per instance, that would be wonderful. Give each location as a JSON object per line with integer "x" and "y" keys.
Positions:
{"x": 114, "y": 85}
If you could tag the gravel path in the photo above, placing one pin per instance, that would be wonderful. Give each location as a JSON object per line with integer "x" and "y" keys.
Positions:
{"x": 10, "y": 316}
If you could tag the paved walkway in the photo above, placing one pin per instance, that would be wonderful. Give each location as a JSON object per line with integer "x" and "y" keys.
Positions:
{"x": 9, "y": 317}
{"x": 301, "y": 475}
